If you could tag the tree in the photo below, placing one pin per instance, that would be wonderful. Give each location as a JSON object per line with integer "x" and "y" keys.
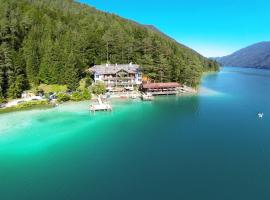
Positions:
{"x": 6, "y": 68}
{"x": 3, "y": 74}
{"x": 72, "y": 72}
{"x": 17, "y": 78}
{"x": 99, "y": 88}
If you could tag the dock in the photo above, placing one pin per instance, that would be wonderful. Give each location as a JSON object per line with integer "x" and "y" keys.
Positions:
{"x": 147, "y": 97}
{"x": 100, "y": 106}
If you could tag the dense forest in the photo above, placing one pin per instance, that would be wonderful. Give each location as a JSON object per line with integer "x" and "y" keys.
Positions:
{"x": 54, "y": 41}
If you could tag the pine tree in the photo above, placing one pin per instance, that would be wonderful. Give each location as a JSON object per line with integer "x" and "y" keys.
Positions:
{"x": 2, "y": 75}
{"x": 6, "y": 67}
{"x": 17, "y": 79}
{"x": 72, "y": 72}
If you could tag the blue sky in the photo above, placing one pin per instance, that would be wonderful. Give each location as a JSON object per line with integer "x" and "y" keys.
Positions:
{"x": 211, "y": 27}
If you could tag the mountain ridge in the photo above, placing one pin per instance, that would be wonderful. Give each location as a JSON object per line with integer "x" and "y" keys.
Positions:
{"x": 253, "y": 56}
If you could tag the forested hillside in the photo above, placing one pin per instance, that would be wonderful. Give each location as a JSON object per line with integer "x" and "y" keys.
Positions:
{"x": 54, "y": 41}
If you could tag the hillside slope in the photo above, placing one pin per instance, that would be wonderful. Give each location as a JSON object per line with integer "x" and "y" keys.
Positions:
{"x": 257, "y": 56}
{"x": 53, "y": 41}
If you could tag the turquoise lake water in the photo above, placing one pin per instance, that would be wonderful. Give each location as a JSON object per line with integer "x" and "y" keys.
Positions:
{"x": 207, "y": 147}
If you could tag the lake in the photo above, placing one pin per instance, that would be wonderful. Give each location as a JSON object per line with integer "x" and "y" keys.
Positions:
{"x": 209, "y": 147}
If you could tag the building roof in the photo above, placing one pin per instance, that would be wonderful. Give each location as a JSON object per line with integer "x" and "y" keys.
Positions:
{"x": 113, "y": 69}
{"x": 160, "y": 85}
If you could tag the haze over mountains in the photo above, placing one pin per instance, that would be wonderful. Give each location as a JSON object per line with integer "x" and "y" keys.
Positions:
{"x": 256, "y": 55}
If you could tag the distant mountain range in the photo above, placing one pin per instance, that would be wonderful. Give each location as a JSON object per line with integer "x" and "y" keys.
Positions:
{"x": 257, "y": 56}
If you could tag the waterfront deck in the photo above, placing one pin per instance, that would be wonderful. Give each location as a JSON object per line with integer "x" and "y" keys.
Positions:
{"x": 165, "y": 92}
{"x": 161, "y": 88}
{"x": 100, "y": 106}
{"x": 94, "y": 108}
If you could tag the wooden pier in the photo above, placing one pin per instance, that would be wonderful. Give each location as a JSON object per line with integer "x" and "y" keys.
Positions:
{"x": 100, "y": 106}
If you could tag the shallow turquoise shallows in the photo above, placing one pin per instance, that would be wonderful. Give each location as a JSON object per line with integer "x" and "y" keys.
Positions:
{"x": 207, "y": 147}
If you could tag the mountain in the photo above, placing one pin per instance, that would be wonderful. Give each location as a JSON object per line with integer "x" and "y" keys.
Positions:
{"x": 54, "y": 41}
{"x": 257, "y": 56}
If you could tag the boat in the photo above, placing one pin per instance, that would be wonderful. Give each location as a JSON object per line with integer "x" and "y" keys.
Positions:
{"x": 147, "y": 97}
{"x": 260, "y": 115}
{"x": 133, "y": 96}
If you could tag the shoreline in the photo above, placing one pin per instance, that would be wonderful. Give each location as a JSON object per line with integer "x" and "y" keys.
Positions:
{"x": 26, "y": 108}
{"x": 134, "y": 95}
{"x": 50, "y": 106}
{"x": 242, "y": 67}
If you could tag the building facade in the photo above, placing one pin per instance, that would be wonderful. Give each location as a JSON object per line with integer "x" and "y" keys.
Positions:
{"x": 125, "y": 75}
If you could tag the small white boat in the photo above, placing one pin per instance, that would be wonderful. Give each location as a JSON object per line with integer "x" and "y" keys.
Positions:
{"x": 260, "y": 115}
{"x": 133, "y": 96}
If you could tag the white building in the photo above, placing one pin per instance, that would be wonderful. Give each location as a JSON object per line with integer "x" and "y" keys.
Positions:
{"x": 125, "y": 75}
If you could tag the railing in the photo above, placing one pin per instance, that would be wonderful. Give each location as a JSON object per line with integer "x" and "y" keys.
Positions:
{"x": 163, "y": 92}
{"x": 131, "y": 83}
{"x": 117, "y": 78}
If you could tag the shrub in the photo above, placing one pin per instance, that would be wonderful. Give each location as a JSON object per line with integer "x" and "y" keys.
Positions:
{"x": 86, "y": 94}
{"x": 79, "y": 96}
{"x": 62, "y": 97}
{"x": 27, "y": 106}
{"x": 85, "y": 83}
{"x": 31, "y": 104}
{"x": 76, "y": 96}
{"x": 88, "y": 82}
{"x": 2, "y": 100}
{"x": 99, "y": 88}
{"x": 52, "y": 88}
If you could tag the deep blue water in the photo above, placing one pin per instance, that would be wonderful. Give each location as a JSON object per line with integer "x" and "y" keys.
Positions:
{"x": 207, "y": 147}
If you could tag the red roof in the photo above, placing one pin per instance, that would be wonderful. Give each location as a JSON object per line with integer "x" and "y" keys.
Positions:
{"x": 160, "y": 85}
